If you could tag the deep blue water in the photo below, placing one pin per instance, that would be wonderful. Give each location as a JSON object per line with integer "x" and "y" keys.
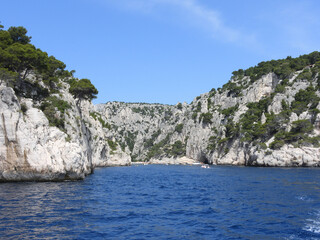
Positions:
{"x": 167, "y": 202}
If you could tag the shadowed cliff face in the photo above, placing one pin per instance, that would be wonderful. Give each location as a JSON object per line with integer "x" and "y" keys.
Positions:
{"x": 244, "y": 123}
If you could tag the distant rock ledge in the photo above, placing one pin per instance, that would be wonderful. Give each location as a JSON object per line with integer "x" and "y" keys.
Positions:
{"x": 174, "y": 161}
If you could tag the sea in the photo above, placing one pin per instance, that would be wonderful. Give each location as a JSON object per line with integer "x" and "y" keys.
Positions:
{"x": 167, "y": 202}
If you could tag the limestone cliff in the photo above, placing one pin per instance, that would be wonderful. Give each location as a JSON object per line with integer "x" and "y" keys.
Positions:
{"x": 268, "y": 119}
{"x": 267, "y": 115}
{"x": 32, "y": 148}
{"x": 45, "y": 124}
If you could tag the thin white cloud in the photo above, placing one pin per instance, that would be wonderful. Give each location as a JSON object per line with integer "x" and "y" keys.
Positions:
{"x": 294, "y": 26}
{"x": 194, "y": 14}
{"x": 207, "y": 18}
{"x": 300, "y": 22}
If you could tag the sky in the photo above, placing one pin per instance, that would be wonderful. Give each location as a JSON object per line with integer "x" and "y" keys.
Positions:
{"x": 165, "y": 51}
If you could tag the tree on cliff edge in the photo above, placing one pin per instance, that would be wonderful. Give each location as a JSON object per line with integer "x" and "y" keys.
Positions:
{"x": 19, "y": 35}
{"x": 83, "y": 89}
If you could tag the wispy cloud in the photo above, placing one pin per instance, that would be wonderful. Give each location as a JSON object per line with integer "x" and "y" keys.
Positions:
{"x": 300, "y": 22}
{"x": 293, "y": 26}
{"x": 206, "y": 18}
{"x": 195, "y": 14}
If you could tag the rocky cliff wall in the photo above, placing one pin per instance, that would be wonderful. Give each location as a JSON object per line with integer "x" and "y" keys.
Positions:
{"x": 254, "y": 120}
{"x": 223, "y": 126}
{"x": 33, "y": 149}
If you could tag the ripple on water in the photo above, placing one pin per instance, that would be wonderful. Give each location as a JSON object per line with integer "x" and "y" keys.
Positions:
{"x": 166, "y": 202}
{"x": 313, "y": 224}
{"x": 305, "y": 198}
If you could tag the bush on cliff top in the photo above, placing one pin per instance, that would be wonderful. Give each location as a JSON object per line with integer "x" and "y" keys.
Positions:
{"x": 19, "y": 56}
{"x": 283, "y": 67}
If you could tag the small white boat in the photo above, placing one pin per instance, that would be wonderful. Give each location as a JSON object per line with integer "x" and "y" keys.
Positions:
{"x": 205, "y": 166}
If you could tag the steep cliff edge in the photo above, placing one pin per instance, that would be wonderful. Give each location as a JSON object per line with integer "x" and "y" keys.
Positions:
{"x": 264, "y": 116}
{"x": 45, "y": 123}
{"x": 31, "y": 148}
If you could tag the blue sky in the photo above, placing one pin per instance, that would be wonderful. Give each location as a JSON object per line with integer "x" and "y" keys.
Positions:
{"x": 165, "y": 51}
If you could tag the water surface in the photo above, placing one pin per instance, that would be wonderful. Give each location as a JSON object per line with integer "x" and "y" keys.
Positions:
{"x": 167, "y": 202}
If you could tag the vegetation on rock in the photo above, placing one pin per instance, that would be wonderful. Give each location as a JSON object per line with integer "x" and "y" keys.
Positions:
{"x": 257, "y": 124}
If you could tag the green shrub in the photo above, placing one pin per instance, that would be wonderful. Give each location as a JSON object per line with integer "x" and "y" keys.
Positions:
{"x": 276, "y": 144}
{"x": 230, "y": 111}
{"x": 194, "y": 116}
{"x": 268, "y": 152}
{"x": 283, "y": 67}
{"x": 284, "y": 105}
{"x": 167, "y": 115}
{"x": 222, "y": 141}
{"x": 50, "y": 107}
{"x": 212, "y": 143}
{"x": 301, "y": 126}
{"x": 68, "y": 138}
{"x": 7, "y": 76}
{"x": 303, "y": 98}
{"x": 209, "y": 103}
{"x": 212, "y": 93}
{"x": 113, "y": 145}
{"x": 263, "y": 146}
{"x": 206, "y": 118}
{"x": 179, "y": 128}
{"x": 250, "y": 122}
{"x": 55, "y": 102}
{"x": 83, "y": 89}
{"x": 97, "y": 116}
{"x": 297, "y": 136}
{"x": 313, "y": 141}
{"x": 23, "y": 108}
{"x": 305, "y": 75}
{"x": 149, "y": 142}
{"x": 198, "y": 107}
{"x": 130, "y": 139}
{"x": 280, "y": 88}
{"x": 178, "y": 149}
{"x": 232, "y": 129}
{"x": 226, "y": 150}
{"x": 142, "y": 111}
{"x": 233, "y": 89}
{"x": 158, "y": 149}
{"x": 238, "y": 74}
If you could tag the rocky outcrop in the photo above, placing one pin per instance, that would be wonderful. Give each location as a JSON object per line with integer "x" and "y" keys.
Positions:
{"x": 100, "y": 140}
{"x": 212, "y": 128}
{"x": 174, "y": 161}
{"x": 287, "y": 156}
{"x": 31, "y": 149}
{"x": 255, "y": 120}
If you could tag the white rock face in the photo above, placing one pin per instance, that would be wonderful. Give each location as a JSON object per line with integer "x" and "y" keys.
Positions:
{"x": 102, "y": 155}
{"x": 114, "y": 134}
{"x": 149, "y": 132}
{"x": 32, "y": 150}
{"x": 290, "y": 156}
